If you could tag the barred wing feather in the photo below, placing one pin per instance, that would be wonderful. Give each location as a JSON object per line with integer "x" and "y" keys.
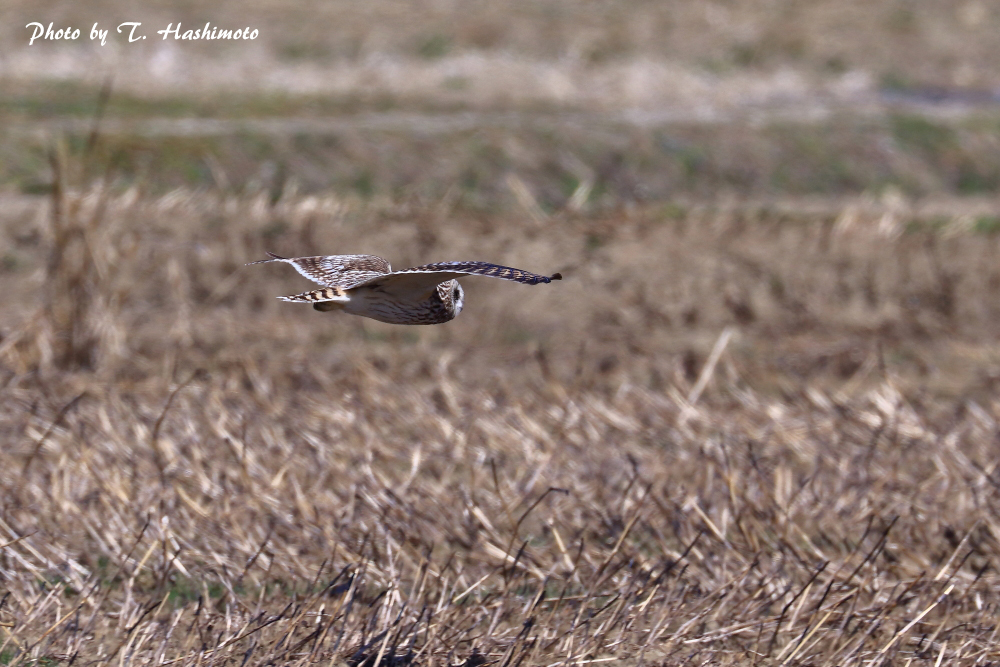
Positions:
{"x": 345, "y": 271}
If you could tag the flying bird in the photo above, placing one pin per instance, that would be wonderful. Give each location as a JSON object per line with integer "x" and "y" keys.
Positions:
{"x": 366, "y": 285}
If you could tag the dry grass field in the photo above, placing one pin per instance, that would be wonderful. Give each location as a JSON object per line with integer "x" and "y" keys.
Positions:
{"x": 196, "y": 473}
{"x": 756, "y": 424}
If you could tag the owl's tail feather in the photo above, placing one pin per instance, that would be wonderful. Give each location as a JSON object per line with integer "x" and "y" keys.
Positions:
{"x": 325, "y": 298}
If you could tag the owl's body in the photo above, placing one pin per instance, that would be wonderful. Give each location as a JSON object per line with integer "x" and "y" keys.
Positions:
{"x": 365, "y": 285}
{"x": 442, "y": 304}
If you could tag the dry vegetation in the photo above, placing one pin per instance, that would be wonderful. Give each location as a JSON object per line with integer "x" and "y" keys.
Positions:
{"x": 935, "y": 42}
{"x": 194, "y": 473}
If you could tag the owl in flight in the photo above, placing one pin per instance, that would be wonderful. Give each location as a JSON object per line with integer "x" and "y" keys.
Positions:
{"x": 366, "y": 285}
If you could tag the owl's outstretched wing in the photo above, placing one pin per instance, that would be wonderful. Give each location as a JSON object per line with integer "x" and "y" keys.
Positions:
{"x": 420, "y": 280}
{"x": 345, "y": 271}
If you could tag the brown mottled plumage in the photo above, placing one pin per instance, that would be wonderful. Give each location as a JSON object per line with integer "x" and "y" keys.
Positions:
{"x": 335, "y": 270}
{"x": 366, "y": 285}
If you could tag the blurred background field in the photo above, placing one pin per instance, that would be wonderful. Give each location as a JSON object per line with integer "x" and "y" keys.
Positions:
{"x": 755, "y": 424}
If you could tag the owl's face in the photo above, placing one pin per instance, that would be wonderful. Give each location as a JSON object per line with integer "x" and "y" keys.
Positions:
{"x": 458, "y": 297}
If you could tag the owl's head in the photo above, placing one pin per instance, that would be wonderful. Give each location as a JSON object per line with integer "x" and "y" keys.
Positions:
{"x": 457, "y": 297}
